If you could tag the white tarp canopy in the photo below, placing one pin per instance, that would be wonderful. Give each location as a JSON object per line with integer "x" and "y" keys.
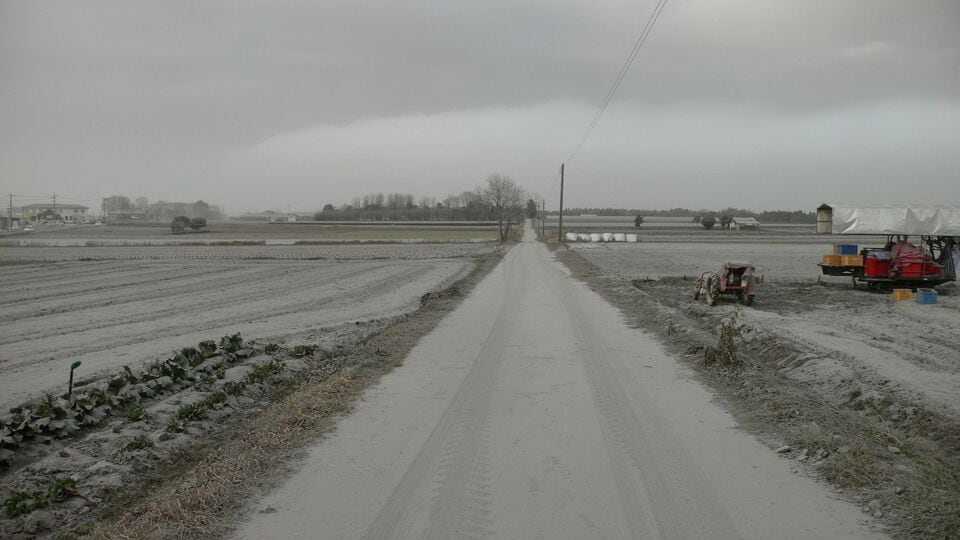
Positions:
{"x": 907, "y": 220}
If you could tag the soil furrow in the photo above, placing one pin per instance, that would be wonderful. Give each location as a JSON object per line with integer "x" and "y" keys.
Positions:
{"x": 221, "y": 289}
{"x": 162, "y": 324}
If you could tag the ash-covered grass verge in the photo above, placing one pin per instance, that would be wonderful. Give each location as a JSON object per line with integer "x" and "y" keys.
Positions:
{"x": 197, "y": 490}
{"x": 897, "y": 459}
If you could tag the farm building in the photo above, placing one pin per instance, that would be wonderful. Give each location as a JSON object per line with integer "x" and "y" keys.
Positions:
{"x": 744, "y": 223}
{"x": 34, "y": 212}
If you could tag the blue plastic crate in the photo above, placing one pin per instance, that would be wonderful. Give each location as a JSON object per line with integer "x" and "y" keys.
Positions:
{"x": 927, "y": 296}
{"x": 847, "y": 249}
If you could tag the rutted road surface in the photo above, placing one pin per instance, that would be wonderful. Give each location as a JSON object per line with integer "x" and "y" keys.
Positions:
{"x": 532, "y": 411}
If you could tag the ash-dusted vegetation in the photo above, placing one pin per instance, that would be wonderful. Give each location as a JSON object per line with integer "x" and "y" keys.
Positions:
{"x": 121, "y": 395}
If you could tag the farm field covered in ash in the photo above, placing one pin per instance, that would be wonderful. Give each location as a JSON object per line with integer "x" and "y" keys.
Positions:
{"x": 110, "y": 307}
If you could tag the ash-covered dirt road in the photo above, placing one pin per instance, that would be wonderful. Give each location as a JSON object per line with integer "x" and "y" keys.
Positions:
{"x": 532, "y": 411}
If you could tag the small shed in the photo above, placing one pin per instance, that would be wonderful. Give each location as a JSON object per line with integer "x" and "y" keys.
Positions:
{"x": 745, "y": 223}
{"x": 824, "y": 219}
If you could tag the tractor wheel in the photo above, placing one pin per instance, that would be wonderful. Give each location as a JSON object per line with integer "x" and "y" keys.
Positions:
{"x": 747, "y": 299}
{"x": 713, "y": 290}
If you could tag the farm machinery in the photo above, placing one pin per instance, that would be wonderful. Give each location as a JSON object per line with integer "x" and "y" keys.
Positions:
{"x": 927, "y": 262}
{"x": 734, "y": 278}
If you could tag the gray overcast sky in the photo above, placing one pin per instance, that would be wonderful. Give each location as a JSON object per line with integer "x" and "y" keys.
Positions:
{"x": 268, "y": 104}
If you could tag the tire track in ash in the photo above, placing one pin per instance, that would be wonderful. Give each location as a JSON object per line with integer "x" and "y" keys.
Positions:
{"x": 166, "y": 324}
{"x": 653, "y": 487}
{"x": 456, "y": 450}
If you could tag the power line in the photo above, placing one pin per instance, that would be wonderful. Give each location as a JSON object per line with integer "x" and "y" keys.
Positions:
{"x": 620, "y": 76}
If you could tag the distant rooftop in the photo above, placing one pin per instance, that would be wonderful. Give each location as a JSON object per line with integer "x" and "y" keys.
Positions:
{"x": 52, "y": 206}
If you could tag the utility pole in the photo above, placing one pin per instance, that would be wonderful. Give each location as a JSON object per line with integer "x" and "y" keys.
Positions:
{"x": 10, "y": 215}
{"x": 54, "y": 196}
{"x": 560, "y": 233}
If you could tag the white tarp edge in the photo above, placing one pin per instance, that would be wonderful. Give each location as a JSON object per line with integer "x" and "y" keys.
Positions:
{"x": 910, "y": 220}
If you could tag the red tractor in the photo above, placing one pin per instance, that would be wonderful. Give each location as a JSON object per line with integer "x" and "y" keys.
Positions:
{"x": 733, "y": 278}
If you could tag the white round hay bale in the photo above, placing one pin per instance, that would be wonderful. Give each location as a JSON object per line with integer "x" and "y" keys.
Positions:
{"x": 619, "y": 237}
{"x": 584, "y": 237}
{"x": 632, "y": 238}
{"x": 595, "y": 237}
{"x": 607, "y": 237}
{"x": 571, "y": 237}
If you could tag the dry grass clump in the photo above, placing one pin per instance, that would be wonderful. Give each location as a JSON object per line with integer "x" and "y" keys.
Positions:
{"x": 809, "y": 435}
{"x": 725, "y": 353}
{"x": 939, "y": 518}
{"x": 853, "y": 466}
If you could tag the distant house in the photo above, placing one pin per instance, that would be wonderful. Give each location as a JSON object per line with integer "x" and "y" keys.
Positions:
{"x": 744, "y": 223}
{"x": 35, "y": 212}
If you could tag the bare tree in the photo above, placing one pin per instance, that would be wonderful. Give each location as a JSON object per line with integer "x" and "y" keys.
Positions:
{"x": 504, "y": 198}
{"x": 452, "y": 201}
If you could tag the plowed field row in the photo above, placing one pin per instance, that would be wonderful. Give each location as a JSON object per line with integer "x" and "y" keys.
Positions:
{"x": 125, "y": 312}
{"x": 351, "y": 252}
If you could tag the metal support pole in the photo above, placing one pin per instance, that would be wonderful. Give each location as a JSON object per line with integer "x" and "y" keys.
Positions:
{"x": 73, "y": 366}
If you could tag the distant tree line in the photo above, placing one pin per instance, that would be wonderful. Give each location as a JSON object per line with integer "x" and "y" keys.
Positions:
{"x": 765, "y": 216}
{"x": 467, "y": 206}
{"x": 499, "y": 199}
{"x": 161, "y": 210}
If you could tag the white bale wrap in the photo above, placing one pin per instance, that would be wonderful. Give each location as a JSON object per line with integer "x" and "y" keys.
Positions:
{"x": 571, "y": 237}
{"x": 595, "y": 237}
{"x": 631, "y": 237}
{"x": 619, "y": 237}
{"x": 584, "y": 237}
